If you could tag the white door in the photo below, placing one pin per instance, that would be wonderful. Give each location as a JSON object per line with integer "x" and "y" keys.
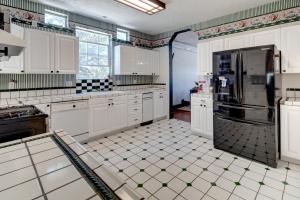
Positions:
{"x": 290, "y": 137}
{"x": 195, "y": 117}
{"x": 209, "y": 121}
{"x": 118, "y": 116}
{"x": 237, "y": 42}
{"x": 268, "y": 37}
{"x": 125, "y": 60}
{"x": 203, "y": 58}
{"x": 39, "y": 53}
{"x": 142, "y": 63}
{"x": 66, "y": 54}
{"x": 215, "y": 46}
{"x": 159, "y": 102}
{"x": 16, "y": 63}
{"x": 99, "y": 120}
{"x": 290, "y": 48}
{"x": 203, "y": 119}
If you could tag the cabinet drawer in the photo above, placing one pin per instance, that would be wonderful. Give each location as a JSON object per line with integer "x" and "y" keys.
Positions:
{"x": 117, "y": 100}
{"x": 134, "y": 119}
{"x": 134, "y": 101}
{"x": 95, "y": 101}
{"x": 57, "y": 107}
{"x": 135, "y": 111}
{"x": 135, "y": 96}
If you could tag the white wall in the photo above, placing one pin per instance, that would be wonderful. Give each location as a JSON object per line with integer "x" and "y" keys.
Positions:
{"x": 184, "y": 71}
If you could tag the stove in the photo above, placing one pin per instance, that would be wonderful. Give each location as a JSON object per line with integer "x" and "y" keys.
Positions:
{"x": 19, "y": 122}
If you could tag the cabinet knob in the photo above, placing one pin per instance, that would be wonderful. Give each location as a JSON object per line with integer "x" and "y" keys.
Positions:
{"x": 48, "y": 105}
{"x": 112, "y": 104}
{"x": 22, "y": 71}
{"x": 51, "y": 71}
{"x": 74, "y": 106}
{"x": 109, "y": 104}
{"x": 0, "y": 70}
{"x": 57, "y": 71}
{"x": 284, "y": 70}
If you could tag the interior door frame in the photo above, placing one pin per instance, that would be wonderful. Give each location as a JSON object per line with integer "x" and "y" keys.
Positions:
{"x": 171, "y": 69}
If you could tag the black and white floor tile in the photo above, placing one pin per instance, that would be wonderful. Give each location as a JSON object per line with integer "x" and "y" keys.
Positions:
{"x": 166, "y": 161}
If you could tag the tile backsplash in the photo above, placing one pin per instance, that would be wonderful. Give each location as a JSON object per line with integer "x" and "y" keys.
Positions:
{"x": 90, "y": 85}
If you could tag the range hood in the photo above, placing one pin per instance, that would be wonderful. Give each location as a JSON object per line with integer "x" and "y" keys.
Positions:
{"x": 10, "y": 45}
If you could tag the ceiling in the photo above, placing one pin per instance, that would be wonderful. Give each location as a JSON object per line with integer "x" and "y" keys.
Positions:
{"x": 179, "y": 13}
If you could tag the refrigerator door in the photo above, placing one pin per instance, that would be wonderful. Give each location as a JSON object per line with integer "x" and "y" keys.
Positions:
{"x": 257, "y": 82}
{"x": 225, "y": 78}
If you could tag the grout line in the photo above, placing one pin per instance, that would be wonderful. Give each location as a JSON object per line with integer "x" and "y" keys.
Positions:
{"x": 37, "y": 175}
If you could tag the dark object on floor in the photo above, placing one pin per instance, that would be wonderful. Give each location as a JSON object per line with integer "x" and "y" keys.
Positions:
{"x": 20, "y": 122}
{"x": 182, "y": 115}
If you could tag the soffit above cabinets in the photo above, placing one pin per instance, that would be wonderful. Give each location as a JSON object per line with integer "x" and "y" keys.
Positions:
{"x": 178, "y": 13}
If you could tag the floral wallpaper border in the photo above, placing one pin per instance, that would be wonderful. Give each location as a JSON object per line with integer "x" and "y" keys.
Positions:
{"x": 273, "y": 19}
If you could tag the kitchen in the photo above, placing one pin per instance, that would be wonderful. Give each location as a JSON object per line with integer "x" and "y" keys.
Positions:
{"x": 86, "y": 100}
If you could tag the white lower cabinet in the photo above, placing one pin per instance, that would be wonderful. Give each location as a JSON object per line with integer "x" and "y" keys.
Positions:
{"x": 107, "y": 114}
{"x": 160, "y": 104}
{"x": 135, "y": 109}
{"x": 202, "y": 116}
{"x": 290, "y": 137}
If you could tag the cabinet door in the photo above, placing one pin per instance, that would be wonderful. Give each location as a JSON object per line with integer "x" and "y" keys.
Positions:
{"x": 290, "y": 48}
{"x": 195, "y": 117}
{"x": 125, "y": 60}
{"x": 268, "y": 37}
{"x": 203, "y": 119}
{"x": 215, "y": 46}
{"x": 290, "y": 137}
{"x": 118, "y": 116}
{"x": 203, "y": 58}
{"x": 99, "y": 120}
{"x": 142, "y": 64}
{"x": 154, "y": 63}
{"x": 66, "y": 54}
{"x": 159, "y": 105}
{"x": 16, "y": 63}
{"x": 209, "y": 121}
{"x": 39, "y": 53}
{"x": 237, "y": 42}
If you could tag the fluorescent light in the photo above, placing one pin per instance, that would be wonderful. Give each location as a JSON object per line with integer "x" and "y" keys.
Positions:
{"x": 147, "y": 6}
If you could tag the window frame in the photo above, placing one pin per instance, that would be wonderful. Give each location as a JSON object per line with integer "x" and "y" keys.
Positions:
{"x": 109, "y": 53}
{"x": 123, "y": 31}
{"x": 57, "y": 14}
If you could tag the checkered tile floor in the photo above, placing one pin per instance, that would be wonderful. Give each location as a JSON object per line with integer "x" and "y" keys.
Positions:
{"x": 166, "y": 161}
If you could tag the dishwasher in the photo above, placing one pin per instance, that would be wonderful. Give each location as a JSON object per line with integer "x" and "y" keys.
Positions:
{"x": 147, "y": 108}
{"x": 72, "y": 117}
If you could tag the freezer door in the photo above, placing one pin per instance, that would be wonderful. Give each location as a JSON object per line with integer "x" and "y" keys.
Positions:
{"x": 225, "y": 79}
{"x": 257, "y": 85}
{"x": 256, "y": 141}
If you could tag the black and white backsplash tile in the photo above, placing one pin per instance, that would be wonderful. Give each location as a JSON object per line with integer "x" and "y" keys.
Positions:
{"x": 91, "y": 85}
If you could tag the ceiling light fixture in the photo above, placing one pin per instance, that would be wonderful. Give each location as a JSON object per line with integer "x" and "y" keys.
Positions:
{"x": 147, "y": 6}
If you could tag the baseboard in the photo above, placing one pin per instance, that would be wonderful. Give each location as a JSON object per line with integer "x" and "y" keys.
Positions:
{"x": 210, "y": 137}
{"x": 288, "y": 159}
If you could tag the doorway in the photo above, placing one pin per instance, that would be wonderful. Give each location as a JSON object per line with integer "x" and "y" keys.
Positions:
{"x": 183, "y": 73}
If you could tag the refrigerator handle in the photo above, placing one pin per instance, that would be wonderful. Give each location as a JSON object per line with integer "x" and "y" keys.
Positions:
{"x": 241, "y": 86}
{"x": 237, "y": 77}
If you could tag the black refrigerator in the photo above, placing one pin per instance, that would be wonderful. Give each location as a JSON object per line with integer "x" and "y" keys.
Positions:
{"x": 247, "y": 91}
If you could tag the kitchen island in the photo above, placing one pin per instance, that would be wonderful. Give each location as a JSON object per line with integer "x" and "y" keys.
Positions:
{"x": 55, "y": 166}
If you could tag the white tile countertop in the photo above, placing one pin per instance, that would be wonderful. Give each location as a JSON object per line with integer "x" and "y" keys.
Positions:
{"x": 292, "y": 102}
{"x": 40, "y": 168}
{"x": 8, "y": 101}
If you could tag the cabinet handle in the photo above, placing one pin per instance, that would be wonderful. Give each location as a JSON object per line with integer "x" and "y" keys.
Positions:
{"x": 48, "y": 105}
{"x": 136, "y": 109}
{"x": 57, "y": 71}
{"x": 109, "y": 104}
{"x": 22, "y": 71}
{"x": 0, "y": 70}
{"x": 284, "y": 70}
{"x": 51, "y": 71}
{"x": 112, "y": 104}
{"x": 74, "y": 106}
{"x": 136, "y": 102}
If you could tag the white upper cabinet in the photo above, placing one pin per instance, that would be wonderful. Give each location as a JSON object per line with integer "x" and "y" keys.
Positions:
{"x": 15, "y": 64}
{"x": 48, "y": 52}
{"x": 66, "y": 54}
{"x": 203, "y": 58}
{"x": 237, "y": 42}
{"x": 267, "y": 37}
{"x": 135, "y": 61}
{"x": 290, "y": 48}
{"x": 39, "y": 52}
{"x": 124, "y": 59}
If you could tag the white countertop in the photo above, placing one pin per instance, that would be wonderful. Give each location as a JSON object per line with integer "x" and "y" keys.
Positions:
{"x": 292, "y": 102}
{"x": 36, "y": 167}
{"x": 70, "y": 97}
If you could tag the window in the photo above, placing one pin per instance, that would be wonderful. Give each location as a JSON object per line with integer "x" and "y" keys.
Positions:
{"x": 94, "y": 54}
{"x": 56, "y": 18}
{"x": 122, "y": 34}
